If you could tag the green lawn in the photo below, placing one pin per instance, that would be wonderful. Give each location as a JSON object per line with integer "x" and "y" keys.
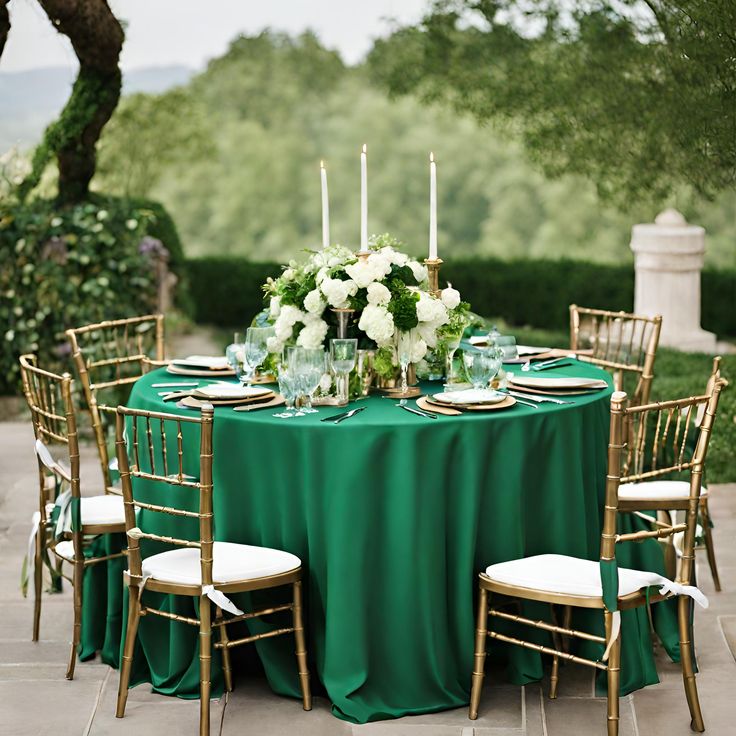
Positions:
{"x": 677, "y": 375}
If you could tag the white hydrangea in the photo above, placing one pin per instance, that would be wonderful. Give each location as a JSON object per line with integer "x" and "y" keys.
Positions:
{"x": 274, "y": 307}
{"x": 378, "y": 294}
{"x": 288, "y": 274}
{"x": 336, "y": 292}
{"x": 450, "y": 297}
{"x": 289, "y": 315}
{"x": 419, "y": 271}
{"x": 428, "y": 332}
{"x": 378, "y": 324}
{"x": 381, "y": 262}
{"x": 313, "y": 302}
{"x": 322, "y": 275}
{"x": 313, "y": 333}
{"x": 394, "y": 256}
{"x": 430, "y": 309}
{"x": 418, "y": 350}
{"x": 365, "y": 271}
{"x": 274, "y": 345}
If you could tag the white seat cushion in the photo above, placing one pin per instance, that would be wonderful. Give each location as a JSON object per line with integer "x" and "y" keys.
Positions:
{"x": 230, "y": 562}
{"x": 657, "y": 490}
{"x": 566, "y": 575}
{"x": 103, "y": 510}
{"x": 65, "y": 549}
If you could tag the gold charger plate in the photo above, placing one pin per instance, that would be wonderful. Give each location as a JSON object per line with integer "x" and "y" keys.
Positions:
{"x": 507, "y": 403}
{"x": 195, "y": 403}
{"x": 422, "y": 403}
{"x": 554, "y": 392}
{"x": 277, "y": 400}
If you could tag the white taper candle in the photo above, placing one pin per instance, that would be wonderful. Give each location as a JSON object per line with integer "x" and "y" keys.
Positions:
{"x": 364, "y": 199}
{"x": 325, "y": 206}
{"x": 432, "y": 208}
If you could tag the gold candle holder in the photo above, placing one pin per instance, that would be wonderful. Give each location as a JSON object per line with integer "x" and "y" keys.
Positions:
{"x": 433, "y": 273}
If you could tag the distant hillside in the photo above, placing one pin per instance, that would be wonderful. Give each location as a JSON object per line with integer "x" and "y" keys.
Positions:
{"x": 30, "y": 100}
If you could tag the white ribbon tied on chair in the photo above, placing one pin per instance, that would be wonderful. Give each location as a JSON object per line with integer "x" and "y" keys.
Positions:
{"x": 221, "y": 600}
{"x": 665, "y": 586}
{"x": 31, "y": 553}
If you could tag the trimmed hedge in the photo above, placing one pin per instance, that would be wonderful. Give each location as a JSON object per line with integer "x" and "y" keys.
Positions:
{"x": 226, "y": 291}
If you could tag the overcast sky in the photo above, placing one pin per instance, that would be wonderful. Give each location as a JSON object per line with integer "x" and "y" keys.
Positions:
{"x": 189, "y": 32}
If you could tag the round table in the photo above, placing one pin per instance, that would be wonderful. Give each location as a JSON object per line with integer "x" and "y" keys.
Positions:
{"x": 393, "y": 516}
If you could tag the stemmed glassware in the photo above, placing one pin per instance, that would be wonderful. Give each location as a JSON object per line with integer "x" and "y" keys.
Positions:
{"x": 234, "y": 354}
{"x": 343, "y": 353}
{"x": 482, "y": 365}
{"x": 308, "y": 366}
{"x": 452, "y": 343}
{"x": 255, "y": 350}
{"x": 403, "y": 348}
{"x": 289, "y": 389}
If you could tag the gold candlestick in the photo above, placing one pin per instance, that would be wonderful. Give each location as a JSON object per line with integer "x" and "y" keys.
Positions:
{"x": 433, "y": 272}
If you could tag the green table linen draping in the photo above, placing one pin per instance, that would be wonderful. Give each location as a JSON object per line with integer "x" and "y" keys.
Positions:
{"x": 393, "y": 516}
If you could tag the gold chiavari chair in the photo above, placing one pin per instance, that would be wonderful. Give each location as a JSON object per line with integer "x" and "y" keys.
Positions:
{"x": 204, "y": 569}
{"x": 641, "y": 441}
{"x": 624, "y": 344}
{"x": 109, "y": 356}
{"x": 652, "y": 493}
{"x": 65, "y": 527}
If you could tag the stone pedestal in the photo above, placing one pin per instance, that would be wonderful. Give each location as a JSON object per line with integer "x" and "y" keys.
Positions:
{"x": 669, "y": 258}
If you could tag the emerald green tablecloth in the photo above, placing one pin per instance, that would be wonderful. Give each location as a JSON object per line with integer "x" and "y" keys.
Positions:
{"x": 393, "y": 516}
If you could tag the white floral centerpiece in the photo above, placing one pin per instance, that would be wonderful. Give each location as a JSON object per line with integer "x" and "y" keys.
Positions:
{"x": 387, "y": 291}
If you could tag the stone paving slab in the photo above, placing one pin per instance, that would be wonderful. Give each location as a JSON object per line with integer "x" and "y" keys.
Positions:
{"x": 86, "y": 707}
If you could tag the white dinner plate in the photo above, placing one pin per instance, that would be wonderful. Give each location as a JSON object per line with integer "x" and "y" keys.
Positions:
{"x": 213, "y": 362}
{"x": 230, "y": 391}
{"x": 560, "y": 382}
{"x": 531, "y": 350}
{"x": 470, "y": 396}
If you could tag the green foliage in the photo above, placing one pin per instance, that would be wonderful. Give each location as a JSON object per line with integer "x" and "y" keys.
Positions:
{"x": 62, "y": 268}
{"x": 226, "y": 291}
{"x": 639, "y": 97}
{"x": 239, "y": 168}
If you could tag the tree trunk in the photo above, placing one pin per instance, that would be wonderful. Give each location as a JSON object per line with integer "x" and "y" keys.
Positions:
{"x": 4, "y": 24}
{"x": 97, "y": 39}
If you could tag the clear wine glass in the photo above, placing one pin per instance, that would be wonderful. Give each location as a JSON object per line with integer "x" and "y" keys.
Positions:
{"x": 288, "y": 389}
{"x": 309, "y": 366}
{"x": 482, "y": 365}
{"x": 343, "y": 353}
{"x": 452, "y": 343}
{"x": 256, "y": 349}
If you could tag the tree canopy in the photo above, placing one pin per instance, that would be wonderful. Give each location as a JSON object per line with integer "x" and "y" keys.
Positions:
{"x": 234, "y": 156}
{"x": 639, "y": 96}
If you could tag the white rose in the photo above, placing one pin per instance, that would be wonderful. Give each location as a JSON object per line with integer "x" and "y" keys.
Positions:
{"x": 288, "y": 274}
{"x": 313, "y": 302}
{"x": 290, "y": 315}
{"x": 351, "y": 286}
{"x": 428, "y": 333}
{"x": 321, "y": 275}
{"x": 381, "y": 262}
{"x": 450, "y": 297}
{"x": 378, "y": 294}
{"x": 394, "y": 256}
{"x": 419, "y": 271}
{"x": 274, "y": 307}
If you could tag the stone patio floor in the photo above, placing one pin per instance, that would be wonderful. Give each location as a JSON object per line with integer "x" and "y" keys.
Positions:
{"x": 35, "y": 699}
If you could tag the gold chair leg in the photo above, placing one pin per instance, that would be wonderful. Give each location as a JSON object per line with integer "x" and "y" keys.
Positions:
{"x": 205, "y": 661}
{"x": 554, "y": 677}
{"x": 37, "y": 585}
{"x": 301, "y": 647}
{"x": 131, "y": 632}
{"x": 77, "y": 629}
{"x": 709, "y": 548}
{"x": 226, "y": 668}
{"x": 688, "y": 667}
{"x": 614, "y": 677}
{"x": 479, "y": 661}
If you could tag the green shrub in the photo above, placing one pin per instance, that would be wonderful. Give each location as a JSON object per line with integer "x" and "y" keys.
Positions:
{"x": 226, "y": 291}
{"x": 66, "y": 267}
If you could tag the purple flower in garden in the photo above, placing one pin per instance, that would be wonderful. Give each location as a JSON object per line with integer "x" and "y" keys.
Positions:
{"x": 63, "y": 350}
{"x": 153, "y": 248}
{"x": 54, "y": 249}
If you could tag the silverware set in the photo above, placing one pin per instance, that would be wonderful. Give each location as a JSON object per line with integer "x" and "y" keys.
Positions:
{"x": 547, "y": 364}
{"x": 419, "y": 412}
